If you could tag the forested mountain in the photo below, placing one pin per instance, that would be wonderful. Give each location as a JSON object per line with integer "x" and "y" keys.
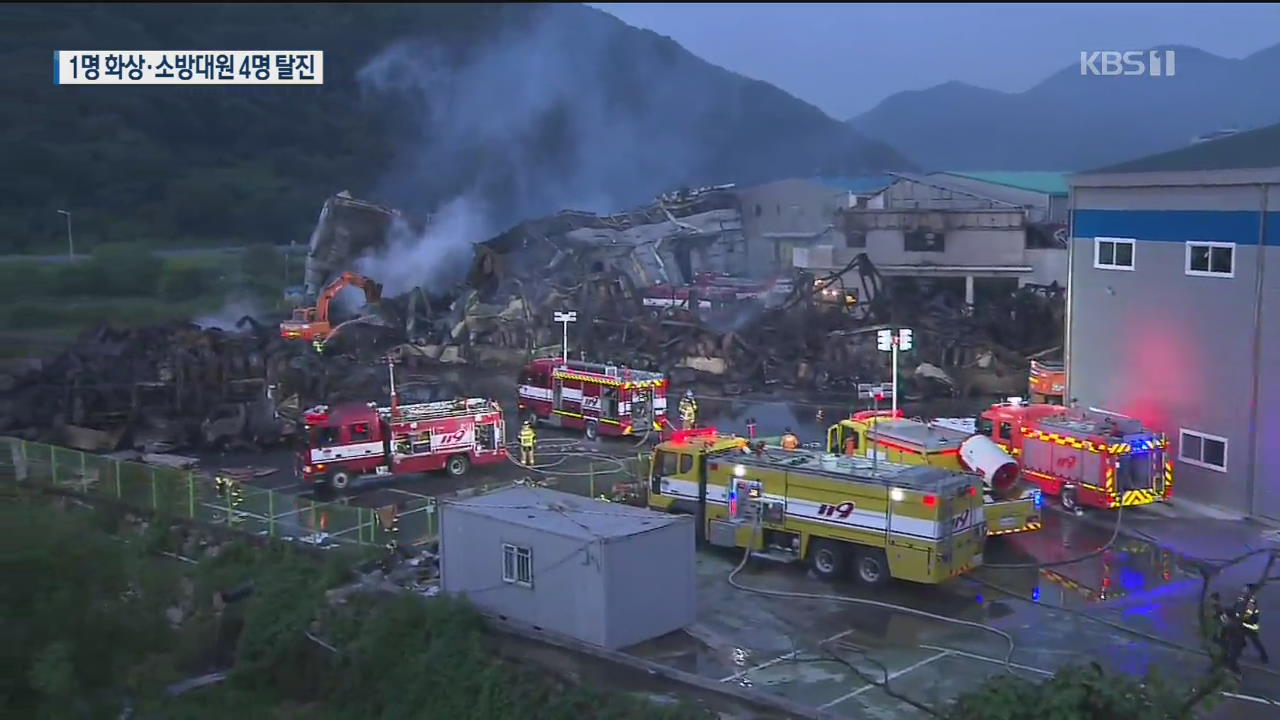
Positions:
{"x": 526, "y": 108}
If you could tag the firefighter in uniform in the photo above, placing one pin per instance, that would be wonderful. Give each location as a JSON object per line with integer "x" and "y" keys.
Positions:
{"x": 1247, "y": 608}
{"x": 851, "y": 446}
{"x": 528, "y": 438}
{"x": 1227, "y": 633}
{"x": 789, "y": 440}
{"x": 390, "y": 517}
{"x": 688, "y": 410}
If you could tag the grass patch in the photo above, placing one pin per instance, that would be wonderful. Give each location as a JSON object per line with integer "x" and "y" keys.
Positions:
{"x": 59, "y": 317}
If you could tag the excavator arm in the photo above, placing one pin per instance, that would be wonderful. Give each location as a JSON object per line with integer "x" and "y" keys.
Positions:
{"x": 312, "y": 323}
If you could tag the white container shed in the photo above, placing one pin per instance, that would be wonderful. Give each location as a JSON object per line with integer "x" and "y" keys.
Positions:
{"x": 607, "y": 574}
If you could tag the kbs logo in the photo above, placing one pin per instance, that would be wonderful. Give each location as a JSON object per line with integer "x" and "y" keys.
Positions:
{"x": 1154, "y": 63}
{"x": 841, "y": 511}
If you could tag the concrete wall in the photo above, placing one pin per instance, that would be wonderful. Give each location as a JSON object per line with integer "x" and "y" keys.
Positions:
{"x": 651, "y": 584}
{"x": 1176, "y": 350}
{"x": 1048, "y": 266}
{"x": 962, "y": 247}
{"x": 799, "y": 207}
{"x": 568, "y": 582}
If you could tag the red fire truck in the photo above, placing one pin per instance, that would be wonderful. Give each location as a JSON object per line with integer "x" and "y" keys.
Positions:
{"x": 595, "y": 398}
{"x": 353, "y": 441}
{"x": 1094, "y": 458}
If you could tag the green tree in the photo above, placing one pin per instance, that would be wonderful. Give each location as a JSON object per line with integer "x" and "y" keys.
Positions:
{"x": 79, "y": 610}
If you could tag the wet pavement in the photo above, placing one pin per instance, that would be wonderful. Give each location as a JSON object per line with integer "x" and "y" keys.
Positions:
{"x": 1132, "y": 608}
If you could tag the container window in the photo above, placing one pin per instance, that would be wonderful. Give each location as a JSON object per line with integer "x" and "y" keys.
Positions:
{"x": 517, "y": 565}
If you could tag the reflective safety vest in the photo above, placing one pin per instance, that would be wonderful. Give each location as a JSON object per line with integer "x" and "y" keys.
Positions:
{"x": 527, "y": 437}
{"x": 1249, "y": 618}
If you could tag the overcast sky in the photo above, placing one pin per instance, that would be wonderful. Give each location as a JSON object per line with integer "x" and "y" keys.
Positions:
{"x": 845, "y": 58}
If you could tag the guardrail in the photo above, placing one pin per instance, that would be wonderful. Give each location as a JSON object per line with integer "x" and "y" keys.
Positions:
{"x": 240, "y": 505}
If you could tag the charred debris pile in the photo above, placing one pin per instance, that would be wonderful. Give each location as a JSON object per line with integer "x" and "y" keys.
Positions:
{"x": 161, "y": 389}
{"x": 659, "y": 288}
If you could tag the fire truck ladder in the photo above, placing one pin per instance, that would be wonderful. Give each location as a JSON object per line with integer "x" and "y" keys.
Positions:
{"x": 444, "y": 409}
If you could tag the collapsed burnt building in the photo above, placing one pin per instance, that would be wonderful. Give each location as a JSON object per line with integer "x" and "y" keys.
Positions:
{"x": 662, "y": 287}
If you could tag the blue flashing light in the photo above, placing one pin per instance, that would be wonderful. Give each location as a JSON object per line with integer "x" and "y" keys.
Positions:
{"x": 1038, "y": 499}
{"x": 733, "y": 500}
{"x": 979, "y": 598}
{"x": 1035, "y": 594}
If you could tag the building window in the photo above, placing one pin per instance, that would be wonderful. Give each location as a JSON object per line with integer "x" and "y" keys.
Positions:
{"x": 1206, "y": 451}
{"x": 517, "y": 565}
{"x": 1113, "y": 253}
{"x": 855, "y": 239}
{"x": 758, "y": 209}
{"x": 1211, "y": 259}
{"x": 924, "y": 241}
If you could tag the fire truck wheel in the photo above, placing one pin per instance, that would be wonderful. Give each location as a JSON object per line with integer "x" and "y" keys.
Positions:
{"x": 1069, "y": 501}
{"x": 340, "y": 481}
{"x": 593, "y": 430}
{"x": 828, "y": 559}
{"x": 871, "y": 567}
{"x": 458, "y": 465}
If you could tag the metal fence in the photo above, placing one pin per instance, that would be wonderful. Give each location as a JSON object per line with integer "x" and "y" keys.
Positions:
{"x": 189, "y": 494}
{"x": 261, "y": 511}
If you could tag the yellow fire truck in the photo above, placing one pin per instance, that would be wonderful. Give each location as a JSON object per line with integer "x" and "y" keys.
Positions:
{"x": 1010, "y": 507}
{"x": 915, "y": 523}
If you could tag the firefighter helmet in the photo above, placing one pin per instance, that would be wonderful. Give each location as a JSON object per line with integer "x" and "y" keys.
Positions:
{"x": 688, "y": 394}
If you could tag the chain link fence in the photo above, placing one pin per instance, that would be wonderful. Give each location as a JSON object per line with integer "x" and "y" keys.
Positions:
{"x": 188, "y": 494}
{"x": 239, "y": 504}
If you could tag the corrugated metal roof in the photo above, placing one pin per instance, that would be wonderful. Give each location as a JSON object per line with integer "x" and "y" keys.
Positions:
{"x": 859, "y": 184}
{"x": 1255, "y": 149}
{"x": 1049, "y": 183}
{"x": 563, "y": 514}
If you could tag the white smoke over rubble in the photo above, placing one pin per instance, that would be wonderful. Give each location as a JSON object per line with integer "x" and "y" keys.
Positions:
{"x": 429, "y": 259}
{"x": 564, "y": 110}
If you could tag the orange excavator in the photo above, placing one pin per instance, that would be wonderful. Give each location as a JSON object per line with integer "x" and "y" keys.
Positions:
{"x": 312, "y": 323}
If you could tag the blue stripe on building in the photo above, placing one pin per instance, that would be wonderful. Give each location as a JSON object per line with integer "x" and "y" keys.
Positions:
{"x": 1236, "y": 226}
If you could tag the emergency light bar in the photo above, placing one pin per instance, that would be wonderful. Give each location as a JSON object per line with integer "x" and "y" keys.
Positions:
{"x": 868, "y": 414}
{"x": 681, "y": 436}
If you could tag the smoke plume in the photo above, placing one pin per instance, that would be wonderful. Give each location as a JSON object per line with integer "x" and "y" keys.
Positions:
{"x": 564, "y": 109}
{"x": 429, "y": 259}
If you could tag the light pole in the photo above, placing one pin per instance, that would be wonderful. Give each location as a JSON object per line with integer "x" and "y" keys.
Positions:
{"x": 71, "y": 248}
{"x": 564, "y": 318}
{"x": 892, "y": 341}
